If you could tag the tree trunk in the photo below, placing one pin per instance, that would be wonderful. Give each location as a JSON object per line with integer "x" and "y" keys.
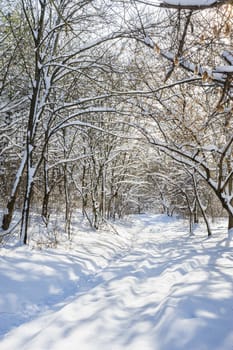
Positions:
{"x": 190, "y": 222}
{"x": 95, "y": 214}
{"x": 206, "y": 220}
{"x": 203, "y": 214}
{"x": 195, "y": 213}
{"x": 26, "y": 210}
{"x": 67, "y": 204}
{"x": 230, "y": 223}
{"x": 7, "y": 217}
{"x": 230, "y": 229}
{"x": 44, "y": 213}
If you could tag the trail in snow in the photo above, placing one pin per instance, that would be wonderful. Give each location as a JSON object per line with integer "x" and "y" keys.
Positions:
{"x": 157, "y": 289}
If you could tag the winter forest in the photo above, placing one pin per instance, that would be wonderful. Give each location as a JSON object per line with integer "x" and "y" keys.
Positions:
{"x": 115, "y": 107}
{"x": 110, "y": 110}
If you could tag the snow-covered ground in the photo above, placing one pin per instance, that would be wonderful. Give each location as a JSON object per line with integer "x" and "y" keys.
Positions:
{"x": 152, "y": 287}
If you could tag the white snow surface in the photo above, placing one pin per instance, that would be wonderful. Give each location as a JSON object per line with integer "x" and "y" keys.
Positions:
{"x": 151, "y": 287}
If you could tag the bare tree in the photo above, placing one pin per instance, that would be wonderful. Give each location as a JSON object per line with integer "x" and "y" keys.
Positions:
{"x": 58, "y": 52}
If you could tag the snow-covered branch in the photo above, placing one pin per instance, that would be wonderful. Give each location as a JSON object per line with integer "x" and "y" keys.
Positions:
{"x": 192, "y": 4}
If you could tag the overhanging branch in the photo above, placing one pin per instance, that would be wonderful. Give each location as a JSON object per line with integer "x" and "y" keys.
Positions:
{"x": 193, "y": 5}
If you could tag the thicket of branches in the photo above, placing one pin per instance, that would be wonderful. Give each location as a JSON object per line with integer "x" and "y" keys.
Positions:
{"x": 112, "y": 107}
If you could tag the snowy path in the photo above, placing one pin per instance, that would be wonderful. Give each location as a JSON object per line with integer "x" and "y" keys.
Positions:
{"x": 157, "y": 290}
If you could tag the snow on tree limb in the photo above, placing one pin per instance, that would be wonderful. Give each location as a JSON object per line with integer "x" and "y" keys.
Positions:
{"x": 217, "y": 75}
{"x": 185, "y": 4}
{"x": 228, "y": 56}
{"x": 193, "y": 4}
